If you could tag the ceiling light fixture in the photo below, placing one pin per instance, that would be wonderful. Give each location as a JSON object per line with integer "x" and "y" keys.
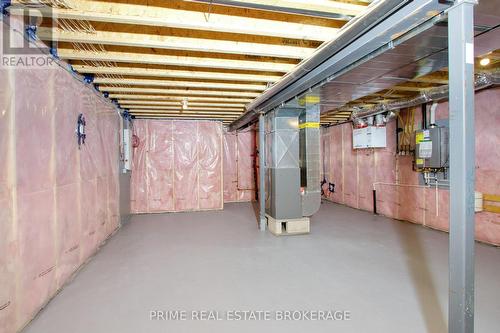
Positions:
{"x": 485, "y": 62}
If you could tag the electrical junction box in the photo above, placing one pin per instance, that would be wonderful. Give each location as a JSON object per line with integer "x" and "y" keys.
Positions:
{"x": 369, "y": 137}
{"x": 431, "y": 148}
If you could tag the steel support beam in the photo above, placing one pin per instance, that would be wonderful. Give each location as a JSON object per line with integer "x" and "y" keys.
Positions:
{"x": 462, "y": 166}
{"x": 262, "y": 173}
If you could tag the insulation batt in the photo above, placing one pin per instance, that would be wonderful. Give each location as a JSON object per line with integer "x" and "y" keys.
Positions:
{"x": 239, "y": 160}
{"x": 190, "y": 165}
{"x": 58, "y": 203}
{"x": 177, "y": 166}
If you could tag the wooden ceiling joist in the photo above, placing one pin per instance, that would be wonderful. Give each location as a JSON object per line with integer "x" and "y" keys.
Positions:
{"x": 189, "y": 114}
{"x": 190, "y": 108}
{"x": 143, "y": 98}
{"x": 154, "y": 59}
{"x": 436, "y": 77}
{"x": 134, "y": 71}
{"x": 167, "y": 118}
{"x": 175, "y": 43}
{"x": 132, "y": 103}
{"x": 119, "y": 13}
{"x": 196, "y": 114}
{"x": 151, "y": 56}
{"x": 179, "y": 91}
{"x": 175, "y": 84}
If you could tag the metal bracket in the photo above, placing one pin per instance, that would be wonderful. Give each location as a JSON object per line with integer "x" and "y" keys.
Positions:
{"x": 80, "y": 130}
{"x": 88, "y": 78}
{"x": 4, "y": 4}
{"x": 53, "y": 52}
{"x": 31, "y": 32}
{"x": 126, "y": 114}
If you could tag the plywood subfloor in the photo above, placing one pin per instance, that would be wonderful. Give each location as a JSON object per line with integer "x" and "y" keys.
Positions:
{"x": 392, "y": 276}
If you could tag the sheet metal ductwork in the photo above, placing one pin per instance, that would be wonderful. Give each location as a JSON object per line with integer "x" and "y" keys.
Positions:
{"x": 310, "y": 160}
{"x": 293, "y": 162}
{"x": 377, "y": 30}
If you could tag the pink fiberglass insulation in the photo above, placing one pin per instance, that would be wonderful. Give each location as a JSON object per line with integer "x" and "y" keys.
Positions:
{"x": 8, "y": 242}
{"x": 35, "y": 189}
{"x": 57, "y": 202}
{"x": 177, "y": 166}
{"x": 230, "y": 167}
{"x": 385, "y": 173}
{"x": 246, "y": 159}
{"x": 99, "y": 200}
{"x": 487, "y": 119}
{"x": 239, "y": 160}
{"x": 210, "y": 166}
{"x": 411, "y": 199}
{"x": 366, "y": 178}
{"x": 437, "y": 215}
{"x": 426, "y": 206}
{"x": 350, "y": 168}
{"x": 325, "y": 157}
{"x": 139, "y": 188}
{"x": 186, "y": 161}
{"x": 160, "y": 184}
{"x": 335, "y": 164}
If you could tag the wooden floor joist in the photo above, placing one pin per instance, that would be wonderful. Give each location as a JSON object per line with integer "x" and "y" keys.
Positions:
{"x": 179, "y": 92}
{"x": 143, "y": 98}
{"x": 175, "y": 84}
{"x": 134, "y": 71}
{"x": 180, "y": 114}
{"x": 175, "y": 43}
{"x": 183, "y": 19}
{"x": 140, "y": 58}
{"x": 190, "y": 108}
{"x": 132, "y": 103}
{"x": 437, "y": 77}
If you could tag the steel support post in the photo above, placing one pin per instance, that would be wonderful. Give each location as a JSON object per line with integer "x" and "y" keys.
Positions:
{"x": 262, "y": 173}
{"x": 462, "y": 165}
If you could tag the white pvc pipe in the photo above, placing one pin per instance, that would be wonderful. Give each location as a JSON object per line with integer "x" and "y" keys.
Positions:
{"x": 417, "y": 186}
{"x": 433, "y": 113}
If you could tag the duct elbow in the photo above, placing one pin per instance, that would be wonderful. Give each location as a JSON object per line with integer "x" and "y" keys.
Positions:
{"x": 311, "y": 201}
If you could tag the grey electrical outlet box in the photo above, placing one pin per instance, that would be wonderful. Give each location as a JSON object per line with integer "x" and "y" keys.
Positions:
{"x": 432, "y": 148}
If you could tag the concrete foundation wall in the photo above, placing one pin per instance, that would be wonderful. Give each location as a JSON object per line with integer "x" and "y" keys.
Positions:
{"x": 354, "y": 172}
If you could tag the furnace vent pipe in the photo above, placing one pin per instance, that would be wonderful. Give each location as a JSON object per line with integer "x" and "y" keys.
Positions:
{"x": 482, "y": 81}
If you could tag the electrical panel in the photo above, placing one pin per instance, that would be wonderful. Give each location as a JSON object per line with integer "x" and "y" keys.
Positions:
{"x": 369, "y": 137}
{"x": 431, "y": 148}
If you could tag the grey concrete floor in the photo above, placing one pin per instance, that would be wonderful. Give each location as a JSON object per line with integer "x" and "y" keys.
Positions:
{"x": 391, "y": 276}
